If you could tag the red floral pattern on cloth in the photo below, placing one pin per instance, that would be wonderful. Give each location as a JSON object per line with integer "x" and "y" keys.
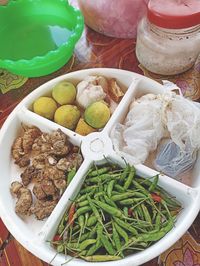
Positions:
{"x": 185, "y": 252}
{"x": 187, "y": 259}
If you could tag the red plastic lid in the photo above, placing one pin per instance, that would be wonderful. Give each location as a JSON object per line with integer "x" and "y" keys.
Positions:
{"x": 174, "y": 14}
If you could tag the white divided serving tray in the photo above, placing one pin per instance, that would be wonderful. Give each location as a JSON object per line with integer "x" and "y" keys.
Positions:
{"x": 34, "y": 235}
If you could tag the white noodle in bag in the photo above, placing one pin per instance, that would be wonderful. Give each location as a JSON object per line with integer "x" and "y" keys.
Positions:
{"x": 152, "y": 118}
{"x": 142, "y": 130}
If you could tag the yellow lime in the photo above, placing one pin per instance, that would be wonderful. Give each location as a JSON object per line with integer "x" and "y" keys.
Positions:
{"x": 45, "y": 106}
{"x": 64, "y": 93}
{"x": 97, "y": 114}
{"x": 67, "y": 116}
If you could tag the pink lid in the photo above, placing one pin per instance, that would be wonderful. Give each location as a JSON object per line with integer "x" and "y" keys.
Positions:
{"x": 174, "y": 14}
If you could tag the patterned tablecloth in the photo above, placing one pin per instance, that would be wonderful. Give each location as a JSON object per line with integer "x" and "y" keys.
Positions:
{"x": 92, "y": 51}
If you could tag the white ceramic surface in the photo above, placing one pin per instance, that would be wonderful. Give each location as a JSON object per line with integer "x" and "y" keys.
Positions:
{"x": 34, "y": 235}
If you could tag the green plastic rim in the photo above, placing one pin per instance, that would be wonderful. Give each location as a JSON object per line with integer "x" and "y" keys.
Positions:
{"x": 54, "y": 59}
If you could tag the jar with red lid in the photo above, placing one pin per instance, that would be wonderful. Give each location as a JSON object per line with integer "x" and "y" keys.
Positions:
{"x": 168, "y": 39}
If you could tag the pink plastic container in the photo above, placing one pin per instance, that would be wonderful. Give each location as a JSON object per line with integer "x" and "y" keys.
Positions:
{"x": 116, "y": 18}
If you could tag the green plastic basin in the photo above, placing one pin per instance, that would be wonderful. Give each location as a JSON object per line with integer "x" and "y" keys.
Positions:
{"x": 38, "y": 36}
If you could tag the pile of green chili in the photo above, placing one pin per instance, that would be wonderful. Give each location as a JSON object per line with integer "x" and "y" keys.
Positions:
{"x": 116, "y": 213}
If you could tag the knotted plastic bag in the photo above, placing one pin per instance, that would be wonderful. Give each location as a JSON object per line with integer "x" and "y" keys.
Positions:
{"x": 152, "y": 118}
{"x": 173, "y": 161}
{"x": 142, "y": 130}
{"x": 178, "y": 155}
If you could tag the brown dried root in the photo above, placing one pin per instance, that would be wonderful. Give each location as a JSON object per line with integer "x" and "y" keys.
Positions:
{"x": 61, "y": 146}
{"x": 15, "y": 187}
{"x": 44, "y": 189}
{"x": 47, "y": 170}
{"x": 73, "y": 160}
{"x": 24, "y": 197}
{"x": 23, "y": 162}
{"x": 38, "y": 192}
{"x": 55, "y": 143}
{"x": 42, "y": 144}
{"x": 30, "y": 134}
{"x": 43, "y": 160}
{"x": 53, "y": 173}
{"x": 29, "y": 174}
{"x": 60, "y": 184}
{"x": 23, "y": 145}
{"x": 17, "y": 149}
{"x": 43, "y": 209}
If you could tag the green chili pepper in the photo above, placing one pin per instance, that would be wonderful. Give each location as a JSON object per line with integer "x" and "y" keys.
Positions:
{"x": 159, "y": 234}
{"x": 99, "y": 171}
{"x": 126, "y": 195}
{"x": 141, "y": 188}
{"x": 125, "y": 210}
{"x": 93, "y": 232}
{"x": 121, "y": 232}
{"x": 101, "y": 193}
{"x": 99, "y": 258}
{"x": 150, "y": 236}
{"x": 138, "y": 209}
{"x": 154, "y": 183}
{"x": 147, "y": 216}
{"x": 99, "y": 232}
{"x": 103, "y": 219}
{"x": 158, "y": 222}
{"x": 115, "y": 193}
{"x": 83, "y": 203}
{"x": 86, "y": 218}
{"x": 126, "y": 226}
{"x": 102, "y": 178}
{"x": 81, "y": 221}
{"x": 144, "y": 182}
{"x": 86, "y": 243}
{"x": 110, "y": 188}
{"x": 82, "y": 210}
{"x": 94, "y": 209}
{"x": 116, "y": 238}
{"x": 60, "y": 248}
{"x": 105, "y": 188}
{"x": 166, "y": 208}
{"x": 91, "y": 221}
{"x": 169, "y": 200}
{"x": 107, "y": 245}
{"x": 84, "y": 237}
{"x": 81, "y": 198}
{"x": 88, "y": 189}
{"x": 130, "y": 201}
{"x": 109, "y": 209}
{"x": 94, "y": 248}
{"x": 130, "y": 178}
{"x": 70, "y": 176}
{"x": 84, "y": 197}
{"x": 109, "y": 201}
{"x": 119, "y": 188}
{"x": 124, "y": 174}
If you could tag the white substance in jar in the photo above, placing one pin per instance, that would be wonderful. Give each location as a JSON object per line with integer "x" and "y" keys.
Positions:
{"x": 167, "y": 51}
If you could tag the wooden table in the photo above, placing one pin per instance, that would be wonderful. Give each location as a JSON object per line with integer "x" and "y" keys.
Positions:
{"x": 95, "y": 50}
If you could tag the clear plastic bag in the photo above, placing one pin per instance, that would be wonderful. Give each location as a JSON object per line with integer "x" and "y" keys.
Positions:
{"x": 152, "y": 118}
{"x": 141, "y": 131}
{"x": 173, "y": 161}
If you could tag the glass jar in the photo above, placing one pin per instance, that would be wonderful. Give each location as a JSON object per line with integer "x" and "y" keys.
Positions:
{"x": 116, "y": 18}
{"x": 167, "y": 44}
